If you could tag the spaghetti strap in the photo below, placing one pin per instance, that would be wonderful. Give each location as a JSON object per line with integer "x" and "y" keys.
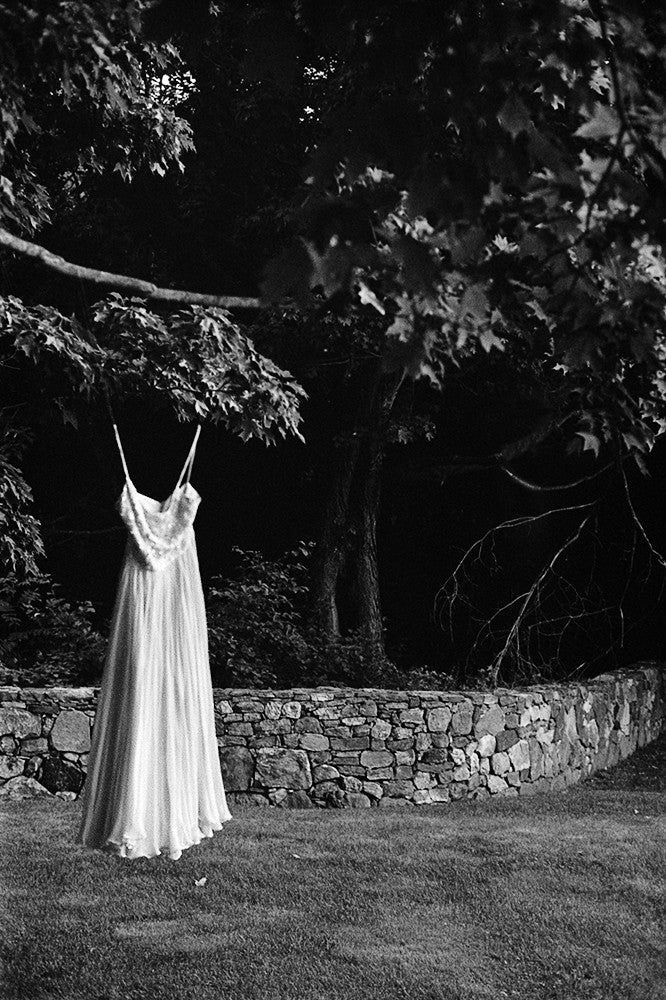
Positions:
{"x": 187, "y": 468}
{"x": 189, "y": 461}
{"x": 122, "y": 453}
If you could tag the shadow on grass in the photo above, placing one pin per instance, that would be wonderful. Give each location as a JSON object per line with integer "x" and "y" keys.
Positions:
{"x": 552, "y": 897}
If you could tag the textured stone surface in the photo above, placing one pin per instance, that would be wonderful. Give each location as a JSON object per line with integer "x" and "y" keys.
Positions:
{"x": 357, "y": 800}
{"x": 325, "y": 772}
{"x": 486, "y": 745}
{"x": 496, "y": 784}
{"x": 461, "y": 723}
{"x": 11, "y": 767}
{"x": 506, "y": 739}
{"x": 355, "y": 748}
{"x": 23, "y": 788}
{"x": 298, "y": 799}
{"x": 500, "y": 763}
{"x": 520, "y": 755}
{"x": 490, "y": 722}
{"x": 71, "y": 731}
{"x": 19, "y": 723}
{"x": 438, "y": 719}
{"x": 314, "y": 741}
{"x": 376, "y": 758}
{"x": 237, "y": 764}
{"x": 286, "y": 768}
{"x": 33, "y": 745}
{"x": 59, "y": 775}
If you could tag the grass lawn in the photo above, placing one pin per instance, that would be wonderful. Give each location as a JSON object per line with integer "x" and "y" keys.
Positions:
{"x": 560, "y": 896}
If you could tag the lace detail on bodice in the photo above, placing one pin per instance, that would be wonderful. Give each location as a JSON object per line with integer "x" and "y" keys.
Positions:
{"x": 159, "y": 531}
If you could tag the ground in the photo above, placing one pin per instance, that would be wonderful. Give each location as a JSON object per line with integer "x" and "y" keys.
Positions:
{"x": 554, "y": 897}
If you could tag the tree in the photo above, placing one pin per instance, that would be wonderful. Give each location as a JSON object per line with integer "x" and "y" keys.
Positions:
{"x": 86, "y": 94}
{"x": 485, "y": 180}
{"x": 491, "y": 177}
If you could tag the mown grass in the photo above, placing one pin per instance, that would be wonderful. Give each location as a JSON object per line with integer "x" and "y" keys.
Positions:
{"x": 556, "y": 897}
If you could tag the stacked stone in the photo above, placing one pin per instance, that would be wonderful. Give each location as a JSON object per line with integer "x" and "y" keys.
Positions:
{"x": 363, "y": 747}
{"x": 45, "y": 739}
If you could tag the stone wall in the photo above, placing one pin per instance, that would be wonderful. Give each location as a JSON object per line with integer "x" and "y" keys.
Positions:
{"x": 362, "y": 747}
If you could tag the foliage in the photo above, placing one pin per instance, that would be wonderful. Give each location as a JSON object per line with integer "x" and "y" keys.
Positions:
{"x": 20, "y": 531}
{"x": 44, "y": 639}
{"x": 195, "y": 360}
{"x": 477, "y": 181}
{"x": 79, "y": 96}
{"x": 259, "y": 635}
{"x": 254, "y": 621}
{"x": 491, "y": 178}
{"x": 84, "y": 95}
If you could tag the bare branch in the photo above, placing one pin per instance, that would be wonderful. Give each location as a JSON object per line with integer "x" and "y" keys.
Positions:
{"x": 562, "y": 601}
{"x": 122, "y": 282}
{"x": 548, "y": 568}
{"x": 634, "y": 516}
{"x": 536, "y": 487}
{"x": 516, "y": 522}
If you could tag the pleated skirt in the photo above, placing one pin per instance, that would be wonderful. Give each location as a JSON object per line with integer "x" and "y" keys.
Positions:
{"x": 154, "y": 782}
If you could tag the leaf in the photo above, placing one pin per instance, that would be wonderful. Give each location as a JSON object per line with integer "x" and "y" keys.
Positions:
{"x": 467, "y": 245}
{"x": 475, "y": 302}
{"x": 418, "y": 268}
{"x": 590, "y": 442}
{"x": 538, "y": 311}
{"x": 488, "y": 339}
{"x": 633, "y": 442}
{"x": 514, "y": 117}
{"x": 504, "y": 245}
{"x": 402, "y": 327}
{"x": 368, "y": 298}
{"x": 603, "y": 123}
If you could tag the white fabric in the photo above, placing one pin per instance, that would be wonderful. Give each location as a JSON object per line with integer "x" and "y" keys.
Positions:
{"x": 154, "y": 782}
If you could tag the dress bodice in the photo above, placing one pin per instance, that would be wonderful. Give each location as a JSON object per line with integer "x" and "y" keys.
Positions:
{"x": 159, "y": 532}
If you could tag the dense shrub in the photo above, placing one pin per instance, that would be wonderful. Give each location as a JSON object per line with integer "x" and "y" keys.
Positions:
{"x": 20, "y": 531}
{"x": 259, "y": 634}
{"x": 44, "y": 639}
{"x": 255, "y": 620}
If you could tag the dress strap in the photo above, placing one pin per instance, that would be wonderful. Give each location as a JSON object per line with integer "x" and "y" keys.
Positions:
{"x": 189, "y": 461}
{"x": 187, "y": 468}
{"x": 122, "y": 453}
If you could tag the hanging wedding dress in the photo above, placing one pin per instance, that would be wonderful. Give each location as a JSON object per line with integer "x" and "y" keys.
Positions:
{"x": 154, "y": 782}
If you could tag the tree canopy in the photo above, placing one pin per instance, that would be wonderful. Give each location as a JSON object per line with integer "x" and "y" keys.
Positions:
{"x": 411, "y": 191}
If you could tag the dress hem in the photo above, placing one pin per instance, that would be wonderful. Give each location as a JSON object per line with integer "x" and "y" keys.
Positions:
{"x": 130, "y": 850}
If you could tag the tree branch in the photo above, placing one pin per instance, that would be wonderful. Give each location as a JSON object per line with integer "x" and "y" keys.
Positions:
{"x": 648, "y": 147}
{"x": 442, "y": 598}
{"x": 455, "y": 464}
{"x": 515, "y": 628}
{"x": 123, "y": 282}
{"x": 537, "y": 488}
{"x": 643, "y": 533}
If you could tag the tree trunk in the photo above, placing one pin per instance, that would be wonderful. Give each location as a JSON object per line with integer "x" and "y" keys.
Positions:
{"x": 334, "y": 537}
{"x": 330, "y": 550}
{"x": 369, "y": 470}
{"x": 369, "y": 612}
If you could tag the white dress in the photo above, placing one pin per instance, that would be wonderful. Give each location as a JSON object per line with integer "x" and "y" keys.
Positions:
{"x": 154, "y": 782}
